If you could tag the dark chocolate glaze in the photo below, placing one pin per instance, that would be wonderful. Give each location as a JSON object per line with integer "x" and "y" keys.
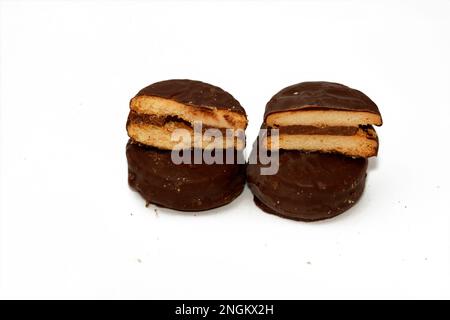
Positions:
{"x": 195, "y": 93}
{"x": 308, "y": 186}
{"x": 184, "y": 187}
{"x": 320, "y": 95}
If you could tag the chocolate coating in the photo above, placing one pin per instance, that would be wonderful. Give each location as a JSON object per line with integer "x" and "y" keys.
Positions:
{"x": 195, "y": 93}
{"x": 184, "y": 187}
{"x": 320, "y": 95}
{"x": 308, "y": 186}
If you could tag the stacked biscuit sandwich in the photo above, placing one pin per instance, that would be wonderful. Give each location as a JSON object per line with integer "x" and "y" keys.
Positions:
{"x": 175, "y": 116}
{"x": 323, "y": 137}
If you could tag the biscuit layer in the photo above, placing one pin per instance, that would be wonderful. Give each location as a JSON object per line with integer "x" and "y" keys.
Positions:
{"x": 353, "y": 142}
{"x": 310, "y": 117}
{"x": 157, "y": 111}
{"x": 209, "y": 116}
{"x": 170, "y": 133}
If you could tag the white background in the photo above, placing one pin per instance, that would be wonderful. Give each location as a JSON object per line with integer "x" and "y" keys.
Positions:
{"x": 70, "y": 227}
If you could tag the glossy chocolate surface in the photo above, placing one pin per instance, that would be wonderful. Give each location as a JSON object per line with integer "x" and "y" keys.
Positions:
{"x": 312, "y": 130}
{"x": 184, "y": 187}
{"x": 160, "y": 121}
{"x": 308, "y": 186}
{"x": 320, "y": 95}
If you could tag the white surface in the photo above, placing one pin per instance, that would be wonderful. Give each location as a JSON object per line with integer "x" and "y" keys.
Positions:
{"x": 71, "y": 228}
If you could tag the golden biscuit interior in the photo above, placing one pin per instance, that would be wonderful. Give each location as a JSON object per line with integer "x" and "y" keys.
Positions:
{"x": 165, "y": 124}
{"x": 323, "y": 118}
{"x": 363, "y": 143}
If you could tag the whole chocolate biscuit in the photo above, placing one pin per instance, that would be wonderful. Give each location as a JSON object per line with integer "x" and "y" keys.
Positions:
{"x": 308, "y": 186}
{"x": 184, "y": 187}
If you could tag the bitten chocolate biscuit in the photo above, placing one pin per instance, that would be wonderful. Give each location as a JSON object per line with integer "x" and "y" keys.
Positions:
{"x": 161, "y": 108}
{"x": 161, "y": 116}
{"x": 308, "y": 186}
{"x": 325, "y": 117}
{"x": 184, "y": 187}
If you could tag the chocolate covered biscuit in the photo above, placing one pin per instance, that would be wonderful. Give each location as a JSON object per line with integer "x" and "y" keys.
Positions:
{"x": 161, "y": 116}
{"x": 325, "y": 117}
{"x": 158, "y": 110}
{"x": 322, "y": 134}
{"x": 321, "y": 104}
{"x": 308, "y": 186}
{"x": 184, "y": 187}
